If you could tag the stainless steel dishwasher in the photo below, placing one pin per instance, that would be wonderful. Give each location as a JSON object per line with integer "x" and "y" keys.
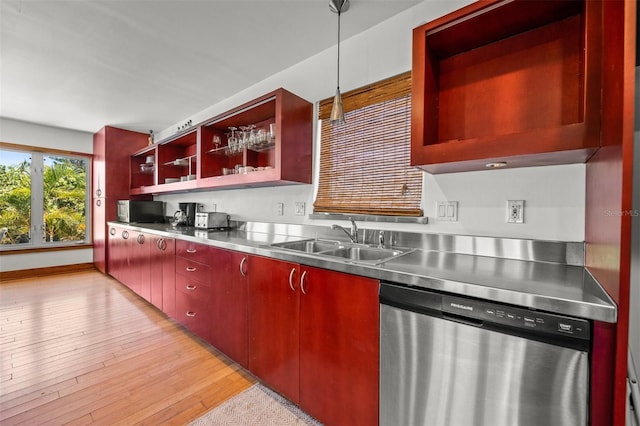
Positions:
{"x": 451, "y": 360}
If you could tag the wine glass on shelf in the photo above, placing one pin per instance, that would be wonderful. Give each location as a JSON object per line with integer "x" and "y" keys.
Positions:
{"x": 232, "y": 140}
{"x": 216, "y": 141}
{"x": 244, "y": 139}
{"x": 251, "y": 137}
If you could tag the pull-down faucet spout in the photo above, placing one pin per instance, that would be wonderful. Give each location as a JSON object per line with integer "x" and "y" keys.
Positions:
{"x": 353, "y": 234}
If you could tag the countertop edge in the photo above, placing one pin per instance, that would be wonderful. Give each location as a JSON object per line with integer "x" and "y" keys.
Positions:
{"x": 602, "y": 308}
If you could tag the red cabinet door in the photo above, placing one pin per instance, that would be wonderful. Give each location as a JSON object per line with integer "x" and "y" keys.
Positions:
{"x": 228, "y": 304}
{"x": 169, "y": 277}
{"x": 274, "y": 307}
{"x": 140, "y": 265}
{"x": 339, "y": 349}
{"x": 118, "y": 260}
{"x": 162, "y": 274}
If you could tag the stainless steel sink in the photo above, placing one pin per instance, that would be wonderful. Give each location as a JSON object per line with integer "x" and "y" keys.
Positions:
{"x": 356, "y": 253}
{"x": 308, "y": 246}
{"x": 365, "y": 254}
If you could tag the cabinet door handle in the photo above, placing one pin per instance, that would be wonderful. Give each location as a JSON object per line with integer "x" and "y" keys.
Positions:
{"x": 98, "y": 192}
{"x": 162, "y": 244}
{"x": 191, "y": 314}
{"x": 242, "y": 263}
{"x": 98, "y": 203}
{"x": 125, "y": 235}
{"x": 140, "y": 239}
{"x": 190, "y": 269}
{"x": 293, "y": 270}
{"x": 192, "y": 251}
{"x": 112, "y": 231}
{"x": 302, "y": 279}
{"x": 191, "y": 287}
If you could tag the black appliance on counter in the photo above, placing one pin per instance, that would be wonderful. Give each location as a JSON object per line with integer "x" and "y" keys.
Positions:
{"x": 185, "y": 215}
{"x": 140, "y": 211}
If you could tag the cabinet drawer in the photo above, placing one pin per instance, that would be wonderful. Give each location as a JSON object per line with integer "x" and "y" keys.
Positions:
{"x": 192, "y": 287}
{"x": 193, "y": 270}
{"x": 193, "y": 314}
{"x": 193, "y": 251}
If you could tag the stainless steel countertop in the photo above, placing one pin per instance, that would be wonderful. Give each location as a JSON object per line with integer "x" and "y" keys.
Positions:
{"x": 553, "y": 287}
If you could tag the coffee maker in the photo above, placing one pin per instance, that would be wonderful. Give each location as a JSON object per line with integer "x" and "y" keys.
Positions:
{"x": 185, "y": 215}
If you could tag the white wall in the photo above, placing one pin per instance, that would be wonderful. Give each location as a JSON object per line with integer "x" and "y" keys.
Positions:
{"x": 554, "y": 196}
{"x": 36, "y": 135}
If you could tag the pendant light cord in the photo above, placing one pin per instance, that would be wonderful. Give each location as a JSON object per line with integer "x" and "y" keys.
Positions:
{"x": 338, "y": 79}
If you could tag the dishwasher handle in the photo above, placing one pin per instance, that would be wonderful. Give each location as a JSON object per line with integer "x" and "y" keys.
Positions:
{"x": 411, "y": 299}
{"x": 474, "y": 322}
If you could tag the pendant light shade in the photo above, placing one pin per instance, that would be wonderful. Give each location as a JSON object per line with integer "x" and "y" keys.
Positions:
{"x": 337, "y": 112}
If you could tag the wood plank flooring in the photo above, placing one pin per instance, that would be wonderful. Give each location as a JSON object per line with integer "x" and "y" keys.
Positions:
{"x": 80, "y": 349}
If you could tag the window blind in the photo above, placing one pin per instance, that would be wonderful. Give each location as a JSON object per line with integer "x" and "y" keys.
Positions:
{"x": 364, "y": 163}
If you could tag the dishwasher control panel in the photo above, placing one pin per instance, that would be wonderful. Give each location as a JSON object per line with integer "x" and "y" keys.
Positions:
{"x": 517, "y": 317}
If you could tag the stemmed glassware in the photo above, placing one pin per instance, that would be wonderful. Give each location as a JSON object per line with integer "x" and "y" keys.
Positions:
{"x": 232, "y": 141}
{"x": 247, "y": 137}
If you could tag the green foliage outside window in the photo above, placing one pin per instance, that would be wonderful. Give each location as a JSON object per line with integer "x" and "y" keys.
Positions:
{"x": 64, "y": 200}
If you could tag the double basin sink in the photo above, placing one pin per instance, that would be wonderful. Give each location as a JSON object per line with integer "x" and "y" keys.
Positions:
{"x": 350, "y": 252}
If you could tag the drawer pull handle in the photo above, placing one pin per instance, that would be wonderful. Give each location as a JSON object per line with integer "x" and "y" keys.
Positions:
{"x": 192, "y": 251}
{"x": 191, "y": 314}
{"x": 242, "y": 270}
{"x": 191, "y": 287}
{"x": 304, "y": 274}
{"x": 190, "y": 269}
{"x": 291, "y": 286}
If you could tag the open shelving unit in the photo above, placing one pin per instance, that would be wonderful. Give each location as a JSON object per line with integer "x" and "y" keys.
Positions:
{"x": 201, "y": 158}
{"x": 512, "y": 82}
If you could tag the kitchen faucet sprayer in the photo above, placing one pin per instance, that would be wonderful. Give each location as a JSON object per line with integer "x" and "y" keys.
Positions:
{"x": 353, "y": 234}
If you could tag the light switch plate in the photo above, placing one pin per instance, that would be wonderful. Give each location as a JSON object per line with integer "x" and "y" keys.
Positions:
{"x": 447, "y": 211}
{"x": 299, "y": 208}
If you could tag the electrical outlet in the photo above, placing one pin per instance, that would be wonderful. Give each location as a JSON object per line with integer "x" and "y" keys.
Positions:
{"x": 299, "y": 208}
{"x": 515, "y": 211}
{"x": 280, "y": 209}
{"x": 447, "y": 211}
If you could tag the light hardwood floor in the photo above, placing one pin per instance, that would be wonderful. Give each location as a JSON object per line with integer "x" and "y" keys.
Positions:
{"x": 81, "y": 348}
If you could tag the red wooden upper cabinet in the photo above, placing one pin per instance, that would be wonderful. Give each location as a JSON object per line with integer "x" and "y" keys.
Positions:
{"x": 264, "y": 142}
{"x": 509, "y": 81}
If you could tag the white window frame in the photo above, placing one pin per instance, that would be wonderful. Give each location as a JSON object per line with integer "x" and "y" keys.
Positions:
{"x": 37, "y": 228}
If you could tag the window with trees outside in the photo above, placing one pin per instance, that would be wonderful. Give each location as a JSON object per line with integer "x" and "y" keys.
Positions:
{"x": 44, "y": 198}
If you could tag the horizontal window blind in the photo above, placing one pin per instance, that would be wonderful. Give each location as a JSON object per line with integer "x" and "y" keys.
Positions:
{"x": 364, "y": 163}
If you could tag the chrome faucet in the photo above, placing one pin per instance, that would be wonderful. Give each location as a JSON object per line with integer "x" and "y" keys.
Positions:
{"x": 353, "y": 234}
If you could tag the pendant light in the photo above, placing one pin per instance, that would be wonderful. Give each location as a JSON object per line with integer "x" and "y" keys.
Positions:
{"x": 337, "y": 113}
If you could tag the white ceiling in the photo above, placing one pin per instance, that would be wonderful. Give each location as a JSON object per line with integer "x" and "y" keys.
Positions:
{"x": 147, "y": 64}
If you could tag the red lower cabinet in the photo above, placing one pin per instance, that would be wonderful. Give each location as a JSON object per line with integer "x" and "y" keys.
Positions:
{"x": 163, "y": 274}
{"x": 310, "y": 334}
{"x": 192, "y": 312}
{"x": 228, "y": 304}
{"x": 339, "y": 347}
{"x": 193, "y": 290}
{"x": 314, "y": 337}
{"x": 274, "y": 307}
